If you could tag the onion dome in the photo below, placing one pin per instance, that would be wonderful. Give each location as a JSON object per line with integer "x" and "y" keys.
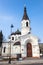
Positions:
{"x": 17, "y": 32}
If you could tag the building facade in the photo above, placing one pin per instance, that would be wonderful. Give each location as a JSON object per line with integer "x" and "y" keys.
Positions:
{"x": 22, "y": 43}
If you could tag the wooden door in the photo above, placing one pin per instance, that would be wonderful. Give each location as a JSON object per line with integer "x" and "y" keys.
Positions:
{"x": 29, "y": 50}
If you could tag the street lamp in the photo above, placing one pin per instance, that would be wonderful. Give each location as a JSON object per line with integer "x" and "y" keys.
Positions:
{"x": 10, "y": 45}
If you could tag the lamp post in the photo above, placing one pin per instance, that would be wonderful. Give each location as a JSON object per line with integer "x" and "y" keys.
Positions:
{"x": 10, "y": 45}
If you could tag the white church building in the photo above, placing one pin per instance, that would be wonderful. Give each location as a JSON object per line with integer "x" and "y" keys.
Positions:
{"x": 22, "y": 43}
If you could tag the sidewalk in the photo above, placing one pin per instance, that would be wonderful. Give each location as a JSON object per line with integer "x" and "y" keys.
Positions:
{"x": 25, "y": 61}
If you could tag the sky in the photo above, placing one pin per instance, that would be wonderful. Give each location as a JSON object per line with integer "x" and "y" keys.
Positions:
{"x": 11, "y": 12}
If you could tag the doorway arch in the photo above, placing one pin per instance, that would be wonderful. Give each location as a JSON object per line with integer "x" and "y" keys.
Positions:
{"x": 29, "y": 50}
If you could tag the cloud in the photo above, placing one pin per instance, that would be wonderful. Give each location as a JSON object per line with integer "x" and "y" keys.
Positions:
{"x": 6, "y": 17}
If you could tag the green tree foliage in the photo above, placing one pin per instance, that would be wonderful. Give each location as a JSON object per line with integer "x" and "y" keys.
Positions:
{"x": 1, "y": 38}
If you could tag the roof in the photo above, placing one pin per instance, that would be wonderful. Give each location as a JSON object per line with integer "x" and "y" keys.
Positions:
{"x": 41, "y": 45}
{"x": 17, "y": 43}
{"x": 17, "y": 32}
{"x": 25, "y": 16}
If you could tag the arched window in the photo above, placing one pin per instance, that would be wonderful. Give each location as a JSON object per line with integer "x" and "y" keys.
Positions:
{"x": 40, "y": 50}
{"x": 12, "y": 38}
{"x": 4, "y": 49}
{"x": 27, "y": 24}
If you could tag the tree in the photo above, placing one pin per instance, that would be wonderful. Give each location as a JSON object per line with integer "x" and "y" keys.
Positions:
{"x": 1, "y": 38}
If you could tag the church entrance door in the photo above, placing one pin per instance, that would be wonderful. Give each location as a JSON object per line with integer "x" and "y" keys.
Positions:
{"x": 29, "y": 50}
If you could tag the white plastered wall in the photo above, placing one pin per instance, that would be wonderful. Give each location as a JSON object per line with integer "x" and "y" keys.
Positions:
{"x": 24, "y": 29}
{"x": 16, "y": 49}
{"x": 35, "y": 46}
{"x": 6, "y": 53}
{"x": 24, "y": 46}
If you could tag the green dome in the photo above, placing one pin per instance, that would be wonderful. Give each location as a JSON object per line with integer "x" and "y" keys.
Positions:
{"x": 17, "y": 32}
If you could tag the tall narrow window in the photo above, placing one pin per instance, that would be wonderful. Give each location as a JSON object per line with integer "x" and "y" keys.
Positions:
{"x": 40, "y": 50}
{"x": 4, "y": 49}
{"x": 12, "y": 38}
{"x": 27, "y": 24}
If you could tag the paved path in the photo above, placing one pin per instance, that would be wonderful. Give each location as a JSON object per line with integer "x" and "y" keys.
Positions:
{"x": 23, "y": 62}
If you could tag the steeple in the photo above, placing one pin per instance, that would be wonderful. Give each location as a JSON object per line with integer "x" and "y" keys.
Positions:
{"x": 25, "y": 23}
{"x": 25, "y": 16}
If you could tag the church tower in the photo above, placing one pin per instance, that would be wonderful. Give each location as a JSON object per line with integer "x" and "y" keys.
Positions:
{"x": 25, "y": 24}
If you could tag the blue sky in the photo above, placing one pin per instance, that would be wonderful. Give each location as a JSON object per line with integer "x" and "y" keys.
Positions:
{"x": 11, "y": 12}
